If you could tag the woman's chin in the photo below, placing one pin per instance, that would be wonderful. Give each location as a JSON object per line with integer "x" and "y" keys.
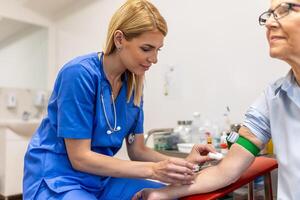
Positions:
{"x": 275, "y": 53}
{"x": 139, "y": 73}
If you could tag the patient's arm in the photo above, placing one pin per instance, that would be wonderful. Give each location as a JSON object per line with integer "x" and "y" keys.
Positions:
{"x": 226, "y": 172}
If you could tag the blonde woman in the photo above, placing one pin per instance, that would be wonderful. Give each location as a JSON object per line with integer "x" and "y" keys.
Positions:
{"x": 96, "y": 104}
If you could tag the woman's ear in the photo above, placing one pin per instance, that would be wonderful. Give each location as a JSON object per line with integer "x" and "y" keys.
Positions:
{"x": 119, "y": 39}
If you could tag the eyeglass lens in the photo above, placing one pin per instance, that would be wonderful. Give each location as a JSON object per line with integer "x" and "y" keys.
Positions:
{"x": 279, "y": 12}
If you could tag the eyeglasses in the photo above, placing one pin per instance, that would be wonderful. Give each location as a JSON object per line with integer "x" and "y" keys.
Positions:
{"x": 279, "y": 12}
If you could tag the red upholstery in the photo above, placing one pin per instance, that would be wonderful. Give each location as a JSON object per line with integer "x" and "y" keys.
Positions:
{"x": 261, "y": 166}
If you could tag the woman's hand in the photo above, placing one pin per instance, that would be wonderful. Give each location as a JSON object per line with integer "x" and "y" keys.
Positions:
{"x": 199, "y": 153}
{"x": 174, "y": 171}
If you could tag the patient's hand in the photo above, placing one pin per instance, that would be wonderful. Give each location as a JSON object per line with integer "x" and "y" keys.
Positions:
{"x": 199, "y": 153}
{"x": 149, "y": 194}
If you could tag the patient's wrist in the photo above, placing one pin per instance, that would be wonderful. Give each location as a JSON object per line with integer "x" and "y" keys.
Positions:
{"x": 149, "y": 170}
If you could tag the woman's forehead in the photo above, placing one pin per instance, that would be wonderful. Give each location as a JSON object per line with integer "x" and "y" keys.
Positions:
{"x": 275, "y": 3}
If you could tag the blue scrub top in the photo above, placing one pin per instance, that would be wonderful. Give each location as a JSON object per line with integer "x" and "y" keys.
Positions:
{"x": 75, "y": 111}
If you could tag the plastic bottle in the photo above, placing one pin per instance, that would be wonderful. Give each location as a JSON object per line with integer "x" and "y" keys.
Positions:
{"x": 209, "y": 139}
{"x": 226, "y": 126}
{"x": 215, "y": 134}
{"x": 183, "y": 130}
{"x": 211, "y": 133}
{"x": 178, "y": 131}
{"x": 187, "y": 133}
{"x": 197, "y": 128}
{"x": 223, "y": 143}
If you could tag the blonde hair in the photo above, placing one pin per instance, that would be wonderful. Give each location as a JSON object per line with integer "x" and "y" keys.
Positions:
{"x": 134, "y": 18}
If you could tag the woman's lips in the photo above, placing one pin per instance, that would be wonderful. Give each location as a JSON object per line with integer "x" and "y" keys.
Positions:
{"x": 146, "y": 67}
{"x": 275, "y": 38}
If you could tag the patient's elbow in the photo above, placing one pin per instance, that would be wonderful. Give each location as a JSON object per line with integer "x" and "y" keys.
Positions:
{"x": 233, "y": 179}
{"x": 230, "y": 176}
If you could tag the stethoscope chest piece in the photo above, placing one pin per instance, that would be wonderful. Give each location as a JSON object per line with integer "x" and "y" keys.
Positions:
{"x": 114, "y": 130}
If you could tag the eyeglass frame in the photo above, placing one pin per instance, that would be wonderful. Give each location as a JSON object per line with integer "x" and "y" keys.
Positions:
{"x": 272, "y": 12}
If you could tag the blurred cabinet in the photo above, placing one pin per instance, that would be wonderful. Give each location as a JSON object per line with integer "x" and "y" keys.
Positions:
{"x": 12, "y": 151}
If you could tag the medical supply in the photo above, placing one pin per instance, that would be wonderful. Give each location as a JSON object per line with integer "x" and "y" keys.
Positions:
{"x": 184, "y": 131}
{"x": 227, "y": 121}
{"x": 223, "y": 143}
{"x": 197, "y": 168}
{"x": 232, "y": 138}
{"x": 185, "y": 147}
{"x": 247, "y": 144}
{"x": 216, "y": 159}
{"x": 216, "y": 156}
{"x": 208, "y": 138}
{"x": 198, "y": 130}
{"x": 244, "y": 142}
{"x": 165, "y": 140}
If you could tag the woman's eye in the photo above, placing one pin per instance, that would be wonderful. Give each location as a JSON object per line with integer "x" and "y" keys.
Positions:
{"x": 145, "y": 49}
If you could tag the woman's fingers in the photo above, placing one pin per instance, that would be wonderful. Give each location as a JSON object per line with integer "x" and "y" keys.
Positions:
{"x": 199, "y": 153}
{"x": 181, "y": 162}
{"x": 173, "y": 167}
{"x": 174, "y": 170}
{"x": 178, "y": 165}
{"x": 204, "y": 149}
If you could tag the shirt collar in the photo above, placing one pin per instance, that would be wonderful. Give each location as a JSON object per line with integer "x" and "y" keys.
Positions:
{"x": 100, "y": 57}
{"x": 289, "y": 82}
{"x": 291, "y": 88}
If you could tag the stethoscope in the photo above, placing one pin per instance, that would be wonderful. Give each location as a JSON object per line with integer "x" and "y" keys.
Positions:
{"x": 114, "y": 128}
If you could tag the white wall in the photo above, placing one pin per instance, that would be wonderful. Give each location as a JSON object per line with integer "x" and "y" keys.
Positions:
{"x": 24, "y": 59}
{"x": 16, "y": 11}
{"x": 218, "y": 51}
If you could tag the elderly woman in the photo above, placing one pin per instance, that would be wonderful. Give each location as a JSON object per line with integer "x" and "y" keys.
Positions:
{"x": 275, "y": 114}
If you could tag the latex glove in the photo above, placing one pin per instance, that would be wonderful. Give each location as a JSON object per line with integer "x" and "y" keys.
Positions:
{"x": 199, "y": 152}
{"x": 174, "y": 171}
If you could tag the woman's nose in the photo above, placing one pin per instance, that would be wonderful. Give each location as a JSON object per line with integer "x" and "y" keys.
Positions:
{"x": 271, "y": 22}
{"x": 153, "y": 58}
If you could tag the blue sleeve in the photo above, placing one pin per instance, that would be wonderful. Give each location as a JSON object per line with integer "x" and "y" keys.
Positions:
{"x": 138, "y": 126}
{"x": 75, "y": 98}
{"x": 257, "y": 118}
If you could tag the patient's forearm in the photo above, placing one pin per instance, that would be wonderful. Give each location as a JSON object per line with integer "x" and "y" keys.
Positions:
{"x": 213, "y": 178}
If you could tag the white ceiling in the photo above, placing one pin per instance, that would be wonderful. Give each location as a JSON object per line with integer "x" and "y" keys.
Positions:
{"x": 50, "y": 9}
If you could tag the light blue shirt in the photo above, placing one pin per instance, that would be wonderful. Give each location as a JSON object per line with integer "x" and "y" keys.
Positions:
{"x": 75, "y": 111}
{"x": 276, "y": 114}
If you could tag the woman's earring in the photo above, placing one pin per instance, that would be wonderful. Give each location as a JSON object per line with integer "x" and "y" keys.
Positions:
{"x": 119, "y": 48}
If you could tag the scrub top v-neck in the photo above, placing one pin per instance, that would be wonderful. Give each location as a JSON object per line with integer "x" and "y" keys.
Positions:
{"x": 75, "y": 111}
